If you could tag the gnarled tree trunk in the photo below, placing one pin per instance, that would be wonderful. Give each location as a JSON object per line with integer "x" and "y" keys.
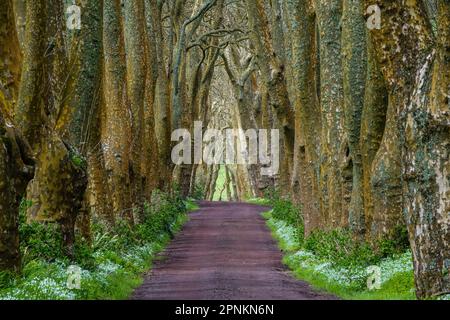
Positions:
{"x": 416, "y": 70}
{"x": 16, "y": 163}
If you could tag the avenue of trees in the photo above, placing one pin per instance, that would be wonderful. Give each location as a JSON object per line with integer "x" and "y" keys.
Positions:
{"x": 359, "y": 90}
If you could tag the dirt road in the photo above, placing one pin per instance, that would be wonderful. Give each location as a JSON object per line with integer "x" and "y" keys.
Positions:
{"x": 226, "y": 252}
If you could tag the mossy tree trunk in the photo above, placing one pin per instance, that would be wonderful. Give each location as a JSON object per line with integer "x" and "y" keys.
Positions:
{"x": 372, "y": 129}
{"x": 163, "y": 114}
{"x": 58, "y": 187}
{"x": 151, "y": 161}
{"x": 116, "y": 131}
{"x": 11, "y": 57}
{"x": 16, "y": 163}
{"x": 16, "y": 169}
{"x": 99, "y": 195}
{"x": 354, "y": 59}
{"x": 305, "y": 186}
{"x": 29, "y": 114}
{"x": 20, "y": 13}
{"x": 329, "y": 14}
{"x": 415, "y": 67}
{"x": 81, "y": 115}
{"x": 135, "y": 39}
{"x": 86, "y": 58}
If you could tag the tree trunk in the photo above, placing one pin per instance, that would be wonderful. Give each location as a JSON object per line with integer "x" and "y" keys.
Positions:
{"x": 135, "y": 39}
{"x": 16, "y": 163}
{"x": 331, "y": 102}
{"x": 83, "y": 102}
{"x": 116, "y": 131}
{"x": 16, "y": 169}
{"x": 58, "y": 187}
{"x": 305, "y": 187}
{"x": 412, "y": 62}
{"x": 163, "y": 115}
{"x": 11, "y": 57}
{"x": 354, "y": 55}
{"x": 151, "y": 164}
{"x": 99, "y": 193}
{"x": 29, "y": 113}
{"x": 372, "y": 129}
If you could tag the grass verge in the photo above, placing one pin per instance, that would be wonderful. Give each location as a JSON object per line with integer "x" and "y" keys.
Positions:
{"x": 347, "y": 273}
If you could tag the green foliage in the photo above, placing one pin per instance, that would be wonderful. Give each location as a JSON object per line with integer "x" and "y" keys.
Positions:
{"x": 161, "y": 216}
{"x": 336, "y": 245}
{"x": 399, "y": 287}
{"x": 41, "y": 241}
{"x": 283, "y": 209}
{"x": 7, "y": 278}
{"x": 78, "y": 161}
{"x": 83, "y": 253}
{"x": 103, "y": 239}
{"x": 259, "y": 201}
{"x": 397, "y": 243}
{"x": 339, "y": 247}
{"x": 118, "y": 286}
{"x": 199, "y": 192}
{"x": 38, "y": 240}
{"x": 191, "y": 205}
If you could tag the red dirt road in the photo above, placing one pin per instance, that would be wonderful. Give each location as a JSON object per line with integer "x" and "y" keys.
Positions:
{"x": 224, "y": 252}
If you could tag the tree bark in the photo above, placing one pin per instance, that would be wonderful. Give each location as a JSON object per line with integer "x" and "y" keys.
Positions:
{"x": 16, "y": 169}
{"x": 11, "y": 57}
{"x": 29, "y": 113}
{"x": 329, "y": 14}
{"x": 117, "y": 130}
{"x": 305, "y": 188}
{"x": 372, "y": 129}
{"x": 354, "y": 55}
{"x": 163, "y": 113}
{"x": 16, "y": 163}
{"x": 411, "y": 63}
{"x": 83, "y": 99}
{"x": 135, "y": 39}
{"x": 273, "y": 75}
{"x": 151, "y": 163}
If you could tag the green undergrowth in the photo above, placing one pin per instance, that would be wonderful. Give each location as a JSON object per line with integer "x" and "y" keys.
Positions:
{"x": 110, "y": 265}
{"x": 332, "y": 261}
{"x": 259, "y": 201}
{"x": 191, "y": 205}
